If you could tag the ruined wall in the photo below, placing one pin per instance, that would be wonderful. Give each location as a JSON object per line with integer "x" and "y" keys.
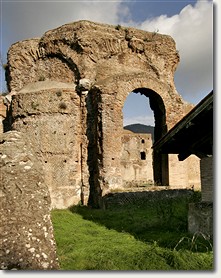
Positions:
{"x": 184, "y": 174}
{"x": 200, "y": 215}
{"x": 79, "y": 141}
{"x": 206, "y": 169}
{"x": 48, "y": 113}
{"x": 3, "y": 110}
{"x": 105, "y": 54}
{"x": 136, "y": 160}
{"x": 26, "y": 232}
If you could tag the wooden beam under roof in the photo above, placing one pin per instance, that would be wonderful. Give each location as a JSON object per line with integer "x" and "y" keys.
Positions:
{"x": 193, "y": 134}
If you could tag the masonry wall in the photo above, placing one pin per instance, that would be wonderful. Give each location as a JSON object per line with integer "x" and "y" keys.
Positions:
{"x": 136, "y": 160}
{"x": 206, "y": 169}
{"x": 76, "y": 136}
{"x": 69, "y": 136}
{"x": 184, "y": 174}
{"x": 51, "y": 121}
{"x": 200, "y": 215}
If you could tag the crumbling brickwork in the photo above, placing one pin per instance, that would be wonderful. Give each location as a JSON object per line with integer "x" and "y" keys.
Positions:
{"x": 206, "y": 169}
{"x": 26, "y": 237}
{"x": 71, "y": 85}
{"x": 49, "y": 114}
{"x": 136, "y": 160}
{"x": 3, "y": 110}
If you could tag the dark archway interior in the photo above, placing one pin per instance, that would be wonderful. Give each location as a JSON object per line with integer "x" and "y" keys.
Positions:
{"x": 160, "y": 161}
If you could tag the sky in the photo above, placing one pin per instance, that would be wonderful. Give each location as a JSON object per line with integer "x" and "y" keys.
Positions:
{"x": 190, "y": 23}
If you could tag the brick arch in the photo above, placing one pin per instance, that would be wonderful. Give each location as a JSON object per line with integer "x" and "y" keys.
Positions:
{"x": 113, "y": 93}
{"x": 118, "y": 87}
{"x": 56, "y": 67}
{"x": 51, "y": 61}
{"x": 114, "y": 61}
{"x": 158, "y": 108}
{"x": 160, "y": 161}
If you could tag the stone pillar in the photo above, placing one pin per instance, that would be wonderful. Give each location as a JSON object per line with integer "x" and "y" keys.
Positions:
{"x": 48, "y": 113}
{"x": 26, "y": 236}
{"x": 112, "y": 127}
{"x": 200, "y": 217}
{"x": 206, "y": 169}
{"x": 83, "y": 89}
{"x": 95, "y": 157}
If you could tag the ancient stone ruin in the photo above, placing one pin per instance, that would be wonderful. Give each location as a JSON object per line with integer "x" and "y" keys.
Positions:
{"x": 69, "y": 88}
{"x": 67, "y": 91}
{"x": 136, "y": 160}
{"x": 26, "y": 237}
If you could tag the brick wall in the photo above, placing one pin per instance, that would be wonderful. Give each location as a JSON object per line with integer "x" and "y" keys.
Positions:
{"x": 136, "y": 159}
{"x": 206, "y": 169}
{"x": 184, "y": 174}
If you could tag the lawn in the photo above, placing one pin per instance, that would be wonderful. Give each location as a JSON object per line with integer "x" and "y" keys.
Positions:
{"x": 151, "y": 236}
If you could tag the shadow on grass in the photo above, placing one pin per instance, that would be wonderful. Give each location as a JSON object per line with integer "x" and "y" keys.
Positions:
{"x": 163, "y": 222}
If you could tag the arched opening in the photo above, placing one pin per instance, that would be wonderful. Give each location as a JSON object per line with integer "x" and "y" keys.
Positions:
{"x": 143, "y": 119}
{"x": 137, "y": 110}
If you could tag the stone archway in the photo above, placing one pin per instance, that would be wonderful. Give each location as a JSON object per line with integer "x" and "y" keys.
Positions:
{"x": 115, "y": 61}
{"x": 160, "y": 161}
{"x": 112, "y": 95}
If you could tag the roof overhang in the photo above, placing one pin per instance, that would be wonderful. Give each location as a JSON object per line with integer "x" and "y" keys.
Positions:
{"x": 193, "y": 134}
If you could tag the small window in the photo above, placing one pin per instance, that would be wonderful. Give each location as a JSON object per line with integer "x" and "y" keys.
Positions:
{"x": 142, "y": 141}
{"x": 143, "y": 155}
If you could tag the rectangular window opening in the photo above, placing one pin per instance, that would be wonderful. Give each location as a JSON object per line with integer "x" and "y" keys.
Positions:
{"x": 143, "y": 155}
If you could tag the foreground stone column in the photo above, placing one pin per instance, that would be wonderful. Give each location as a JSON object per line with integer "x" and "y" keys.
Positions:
{"x": 26, "y": 232}
{"x": 200, "y": 215}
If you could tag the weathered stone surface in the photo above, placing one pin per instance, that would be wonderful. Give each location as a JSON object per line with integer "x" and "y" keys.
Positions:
{"x": 48, "y": 112}
{"x": 136, "y": 160}
{"x": 3, "y": 110}
{"x": 184, "y": 174}
{"x": 207, "y": 179}
{"x": 123, "y": 59}
{"x": 72, "y": 84}
{"x": 26, "y": 237}
{"x": 112, "y": 200}
{"x": 200, "y": 218}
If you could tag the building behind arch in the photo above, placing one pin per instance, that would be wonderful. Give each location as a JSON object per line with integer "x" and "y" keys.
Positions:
{"x": 71, "y": 85}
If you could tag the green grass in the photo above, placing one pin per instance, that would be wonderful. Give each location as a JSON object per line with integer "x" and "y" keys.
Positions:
{"x": 152, "y": 236}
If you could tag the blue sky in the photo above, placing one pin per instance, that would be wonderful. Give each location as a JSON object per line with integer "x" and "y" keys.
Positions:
{"x": 188, "y": 22}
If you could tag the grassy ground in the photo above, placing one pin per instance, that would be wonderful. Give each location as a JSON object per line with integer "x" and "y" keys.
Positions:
{"x": 148, "y": 237}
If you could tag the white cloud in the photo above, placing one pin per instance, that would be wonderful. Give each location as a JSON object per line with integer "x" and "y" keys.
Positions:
{"x": 192, "y": 32}
{"x": 28, "y": 19}
{"x": 104, "y": 12}
{"x": 191, "y": 29}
